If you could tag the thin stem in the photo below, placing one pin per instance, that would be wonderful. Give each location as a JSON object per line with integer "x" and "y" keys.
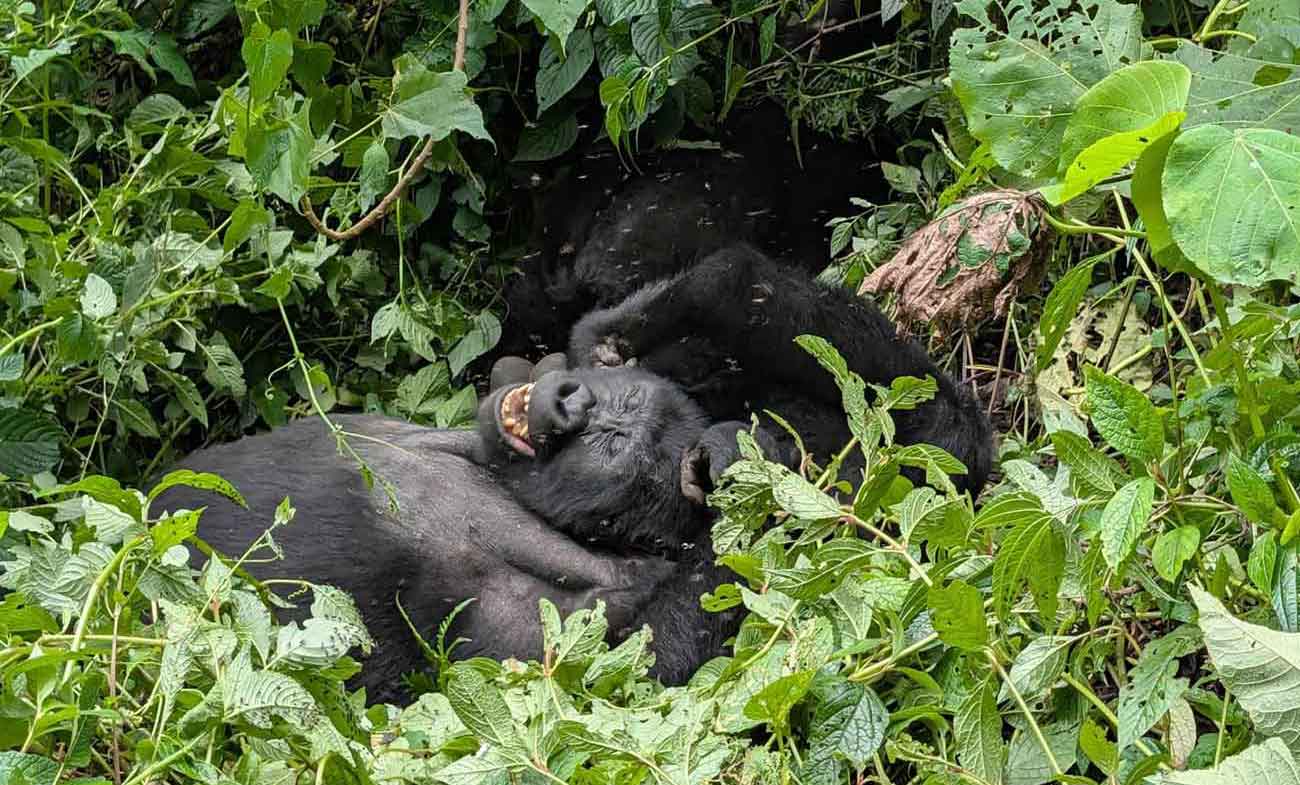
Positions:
{"x": 1154, "y": 280}
{"x": 1029, "y": 715}
{"x": 1077, "y": 227}
{"x": 408, "y": 176}
{"x": 18, "y": 339}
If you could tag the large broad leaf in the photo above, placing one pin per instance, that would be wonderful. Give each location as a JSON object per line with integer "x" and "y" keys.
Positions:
{"x": 1019, "y": 72}
{"x": 1240, "y": 91}
{"x": 430, "y": 104}
{"x": 1264, "y": 18}
{"x": 1233, "y": 202}
{"x": 279, "y": 156}
{"x": 267, "y": 56}
{"x": 29, "y": 442}
{"x": 1117, "y": 119}
{"x": 560, "y": 70}
{"x": 1260, "y": 666}
{"x": 558, "y": 16}
{"x": 1270, "y": 763}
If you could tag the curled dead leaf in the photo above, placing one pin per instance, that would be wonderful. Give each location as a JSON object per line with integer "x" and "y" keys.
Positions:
{"x": 969, "y": 263}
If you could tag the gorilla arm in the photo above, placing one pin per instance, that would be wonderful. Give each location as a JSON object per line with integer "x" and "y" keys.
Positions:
{"x": 457, "y": 534}
{"x": 751, "y": 309}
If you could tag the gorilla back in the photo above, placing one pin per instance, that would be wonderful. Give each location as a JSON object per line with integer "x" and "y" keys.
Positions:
{"x": 465, "y": 527}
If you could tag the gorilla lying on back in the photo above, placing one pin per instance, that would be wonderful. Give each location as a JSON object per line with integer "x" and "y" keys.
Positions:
{"x": 580, "y": 485}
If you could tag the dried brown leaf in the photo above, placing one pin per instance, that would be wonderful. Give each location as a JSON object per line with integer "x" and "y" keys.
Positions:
{"x": 969, "y": 263}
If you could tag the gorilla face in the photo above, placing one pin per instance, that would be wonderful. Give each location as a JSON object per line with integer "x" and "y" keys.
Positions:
{"x": 597, "y": 453}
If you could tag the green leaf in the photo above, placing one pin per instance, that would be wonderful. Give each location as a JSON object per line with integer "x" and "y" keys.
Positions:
{"x": 173, "y": 530}
{"x": 267, "y": 56}
{"x": 97, "y": 298}
{"x": 1032, "y": 552}
{"x": 481, "y": 338}
{"x": 1028, "y": 765}
{"x": 1038, "y": 665}
{"x": 773, "y": 703}
{"x": 1152, "y": 687}
{"x": 24, "y": 65}
{"x": 548, "y": 139}
{"x": 1019, "y": 83}
{"x": 247, "y": 216}
{"x": 428, "y": 104}
{"x": 1092, "y": 472}
{"x": 1148, "y": 197}
{"x": 1172, "y": 550}
{"x": 1125, "y": 518}
{"x": 1267, "y": 763}
{"x": 136, "y": 417}
{"x": 260, "y": 696}
{"x": 1254, "y": 90}
{"x": 188, "y": 396}
{"x": 24, "y": 767}
{"x": 560, "y": 68}
{"x": 1262, "y": 562}
{"x": 977, "y": 730}
{"x": 279, "y": 156}
{"x": 169, "y": 58}
{"x": 1124, "y": 417}
{"x": 29, "y": 442}
{"x": 482, "y": 708}
{"x": 1233, "y": 202}
{"x": 1099, "y": 749}
{"x": 372, "y": 180}
{"x": 1250, "y": 491}
{"x": 1118, "y": 118}
{"x": 78, "y": 338}
{"x": 201, "y": 480}
{"x": 958, "y": 616}
{"x": 1260, "y": 666}
{"x": 11, "y": 366}
{"x": 277, "y": 286}
{"x": 311, "y": 63}
{"x": 224, "y": 371}
{"x": 801, "y": 499}
{"x": 1060, "y": 308}
{"x": 559, "y": 17}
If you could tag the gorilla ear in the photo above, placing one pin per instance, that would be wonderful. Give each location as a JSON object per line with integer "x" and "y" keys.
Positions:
{"x": 697, "y": 478}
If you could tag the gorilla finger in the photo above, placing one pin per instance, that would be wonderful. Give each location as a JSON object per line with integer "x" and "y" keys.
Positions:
{"x": 549, "y": 364}
{"x": 697, "y": 477}
{"x": 510, "y": 370}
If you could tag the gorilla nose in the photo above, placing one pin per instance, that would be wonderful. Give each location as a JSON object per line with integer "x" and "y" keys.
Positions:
{"x": 560, "y": 404}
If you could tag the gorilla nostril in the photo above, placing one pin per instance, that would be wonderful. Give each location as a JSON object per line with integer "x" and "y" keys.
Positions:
{"x": 575, "y": 399}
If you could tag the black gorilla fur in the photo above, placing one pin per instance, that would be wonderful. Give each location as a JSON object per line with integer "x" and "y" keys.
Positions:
{"x": 724, "y": 330}
{"x": 604, "y": 232}
{"x": 591, "y": 519}
{"x": 601, "y": 497}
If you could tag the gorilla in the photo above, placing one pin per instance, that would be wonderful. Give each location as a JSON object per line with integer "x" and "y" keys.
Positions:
{"x": 602, "y": 232}
{"x": 581, "y": 483}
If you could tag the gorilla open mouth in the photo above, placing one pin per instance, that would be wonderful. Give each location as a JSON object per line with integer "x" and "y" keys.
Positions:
{"x": 512, "y": 419}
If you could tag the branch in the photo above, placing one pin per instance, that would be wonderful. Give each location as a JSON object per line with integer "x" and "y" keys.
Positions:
{"x": 412, "y": 171}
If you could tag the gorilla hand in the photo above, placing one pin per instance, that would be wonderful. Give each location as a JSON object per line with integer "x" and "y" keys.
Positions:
{"x": 716, "y": 449}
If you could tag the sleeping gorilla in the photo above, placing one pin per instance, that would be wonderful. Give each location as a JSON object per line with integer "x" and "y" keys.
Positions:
{"x": 580, "y": 485}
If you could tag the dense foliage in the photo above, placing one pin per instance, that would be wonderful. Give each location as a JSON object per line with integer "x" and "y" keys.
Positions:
{"x": 1123, "y": 607}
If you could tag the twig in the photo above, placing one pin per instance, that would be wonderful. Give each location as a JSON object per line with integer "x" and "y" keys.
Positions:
{"x": 408, "y": 176}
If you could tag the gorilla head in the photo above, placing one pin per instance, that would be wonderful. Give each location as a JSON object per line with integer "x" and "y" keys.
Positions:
{"x": 597, "y": 453}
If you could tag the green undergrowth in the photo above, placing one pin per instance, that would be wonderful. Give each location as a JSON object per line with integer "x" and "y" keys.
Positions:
{"x": 1121, "y": 606}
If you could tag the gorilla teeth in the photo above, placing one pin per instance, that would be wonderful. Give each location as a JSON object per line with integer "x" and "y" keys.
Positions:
{"x": 514, "y": 411}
